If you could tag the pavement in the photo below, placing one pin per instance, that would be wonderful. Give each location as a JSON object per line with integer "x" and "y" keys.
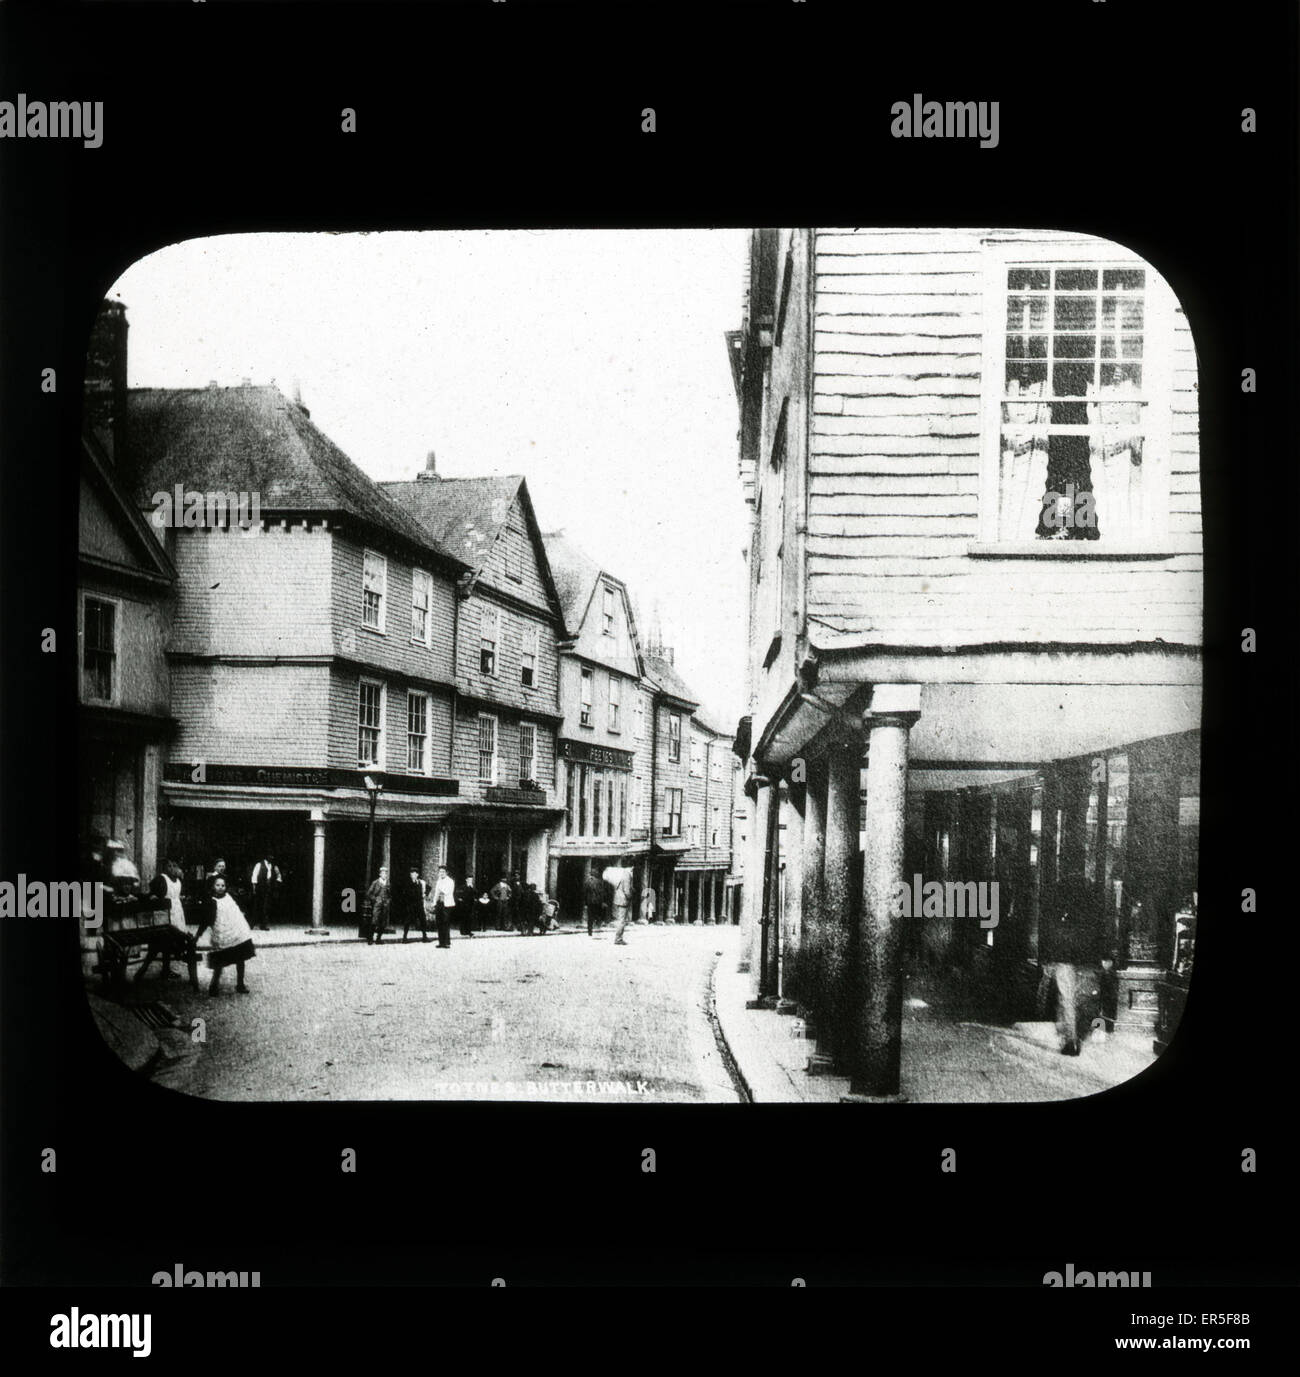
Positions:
{"x": 563, "y": 1017}
{"x": 567, "y": 1017}
{"x": 946, "y": 1058}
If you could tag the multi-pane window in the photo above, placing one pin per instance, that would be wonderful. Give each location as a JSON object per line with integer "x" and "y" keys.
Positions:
{"x": 697, "y": 756}
{"x": 622, "y": 805}
{"x": 585, "y": 703}
{"x": 716, "y": 825}
{"x": 610, "y": 781}
{"x": 370, "y": 723}
{"x": 715, "y": 764}
{"x": 570, "y": 772}
{"x": 487, "y": 748}
{"x": 615, "y": 701}
{"x": 582, "y": 800}
{"x": 528, "y": 658}
{"x": 489, "y": 642}
{"x": 99, "y": 651}
{"x": 421, "y": 605}
{"x": 608, "y": 610}
{"x": 693, "y": 826}
{"x": 1073, "y": 451}
{"x": 527, "y": 752}
{"x": 597, "y": 790}
{"x": 374, "y": 587}
{"x": 674, "y": 736}
{"x": 417, "y": 733}
{"x": 673, "y": 813}
{"x": 638, "y": 716}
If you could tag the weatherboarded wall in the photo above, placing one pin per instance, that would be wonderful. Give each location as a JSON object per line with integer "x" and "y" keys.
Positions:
{"x": 897, "y": 438}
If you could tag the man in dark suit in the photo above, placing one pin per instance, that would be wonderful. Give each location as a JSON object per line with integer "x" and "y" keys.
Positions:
{"x": 266, "y": 891}
{"x": 408, "y": 905}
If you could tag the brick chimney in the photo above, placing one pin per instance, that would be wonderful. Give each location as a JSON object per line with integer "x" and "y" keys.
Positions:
{"x": 430, "y": 469}
{"x": 105, "y": 392}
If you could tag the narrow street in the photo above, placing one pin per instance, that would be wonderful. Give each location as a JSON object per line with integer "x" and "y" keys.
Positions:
{"x": 561, "y": 1017}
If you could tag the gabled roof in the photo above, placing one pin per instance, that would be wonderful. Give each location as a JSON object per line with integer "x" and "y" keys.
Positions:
{"x": 666, "y": 679}
{"x": 576, "y": 578}
{"x": 254, "y": 439}
{"x": 575, "y": 574}
{"x": 463, "y": 515}
{"x": 153, "y": 562}
{"x": 466, "y": 516}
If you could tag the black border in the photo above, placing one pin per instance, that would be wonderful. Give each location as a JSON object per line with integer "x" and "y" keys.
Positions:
{"x": 1116, "y": 119}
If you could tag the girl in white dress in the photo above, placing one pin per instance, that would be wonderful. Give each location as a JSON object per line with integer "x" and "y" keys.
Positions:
{"x": 232, "y": 938}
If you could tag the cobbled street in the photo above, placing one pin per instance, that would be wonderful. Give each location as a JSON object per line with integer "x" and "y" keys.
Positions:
{"x": 561, "y": 1017}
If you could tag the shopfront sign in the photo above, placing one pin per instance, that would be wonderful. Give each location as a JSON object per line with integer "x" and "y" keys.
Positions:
{"x": 595, "y": 755}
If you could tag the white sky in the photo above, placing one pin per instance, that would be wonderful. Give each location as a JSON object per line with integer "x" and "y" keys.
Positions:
{"x": 591, "y": 361}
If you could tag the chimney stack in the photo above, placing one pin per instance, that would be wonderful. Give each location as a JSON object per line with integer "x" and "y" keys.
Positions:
{"x": 105, "y": 392}
{"x": 430, "y": 469}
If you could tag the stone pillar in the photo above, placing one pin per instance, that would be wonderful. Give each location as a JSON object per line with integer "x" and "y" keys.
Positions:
{"x": 812, "y": 858}
{"x": 318, "y": 873}
{"x": 751, "y": 941}
{"x": 791, "y": 947}
{"x": 874, "y": 1048}
{"x": 831, "y": 1012}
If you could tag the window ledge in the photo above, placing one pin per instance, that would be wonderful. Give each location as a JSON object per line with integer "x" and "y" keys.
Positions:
{"x": 1069, "y": 549}
{"x": 374, "y": 630}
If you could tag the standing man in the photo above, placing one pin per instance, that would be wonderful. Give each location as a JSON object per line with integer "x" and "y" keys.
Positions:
{"x": 500, "y": 893}
{"x": 408, "y": 904}
{"x": 619, "y": 880}
{"x": 377, "y": 901}
{"x": 593, "y": 899}
{"x": 266, "y": 890}
{"x": 466, "y": 898}
{"x": 648, "y": 904}
{"x": 444, "y": 900}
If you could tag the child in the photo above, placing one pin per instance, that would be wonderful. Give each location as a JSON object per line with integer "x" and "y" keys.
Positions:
{"x": 232, "y": 938}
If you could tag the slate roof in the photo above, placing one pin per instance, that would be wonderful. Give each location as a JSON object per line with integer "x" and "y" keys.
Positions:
{"x": 463, "y": 515}
{"x": 709, "y": 722}
{"x": 575, "y": 574}
{"x": 253, "y": 439}
{"x": 665, "y": 677}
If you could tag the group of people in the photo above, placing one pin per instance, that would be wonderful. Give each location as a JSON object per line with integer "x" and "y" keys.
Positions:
{"x": 215, "y": 908}
{"x": 414, "y": 902}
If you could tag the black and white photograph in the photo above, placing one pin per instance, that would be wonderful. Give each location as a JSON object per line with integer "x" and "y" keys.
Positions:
{"x": 836, "y": 657}
{"x": 633, "y": 637}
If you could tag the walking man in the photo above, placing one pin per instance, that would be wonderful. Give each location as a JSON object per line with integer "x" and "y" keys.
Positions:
{"x": 593, "y": 898}
{"x": 377, "y": 903}
{"x": 619, "y": 880}
{"x": 444, "y": 901}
